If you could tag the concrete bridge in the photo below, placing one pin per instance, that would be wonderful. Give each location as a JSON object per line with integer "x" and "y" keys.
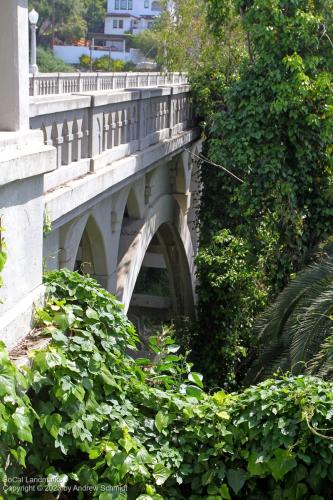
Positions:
{"x": 98, "y": 178}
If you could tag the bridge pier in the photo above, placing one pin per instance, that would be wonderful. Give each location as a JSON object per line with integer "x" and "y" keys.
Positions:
{"x": 24, "y": 159}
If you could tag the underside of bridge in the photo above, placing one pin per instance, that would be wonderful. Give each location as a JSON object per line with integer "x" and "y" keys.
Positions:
{"x": 138, "y": 242}
{"x": 163, "y": 290}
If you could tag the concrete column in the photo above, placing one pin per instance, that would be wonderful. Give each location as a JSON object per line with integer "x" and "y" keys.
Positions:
{"x": 14, "y": 63}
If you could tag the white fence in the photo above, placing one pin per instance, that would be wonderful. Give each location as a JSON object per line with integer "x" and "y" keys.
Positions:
{"x": 70, "y": 83}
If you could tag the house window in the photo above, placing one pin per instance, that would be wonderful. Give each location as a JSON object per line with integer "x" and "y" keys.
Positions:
{"x": 123, "y": 4}
{"x": 118, "y": 23}
{"x": 116, "y": 4}
{"x": 146, "y": 4}
{"x": 130, "y": 4}
{"x": 156, "y": 6}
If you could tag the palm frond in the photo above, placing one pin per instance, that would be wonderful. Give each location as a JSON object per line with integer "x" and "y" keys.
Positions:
{"x": 293, "y": 329}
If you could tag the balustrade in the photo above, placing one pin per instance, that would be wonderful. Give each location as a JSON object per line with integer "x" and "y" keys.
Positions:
{"x": 85, "y": 127}
{"x": 69, "y": 83}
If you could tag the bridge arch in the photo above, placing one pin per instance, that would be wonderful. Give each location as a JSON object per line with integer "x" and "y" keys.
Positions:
{"x": 165, "y": 221}
{"x": 84, "y": 248}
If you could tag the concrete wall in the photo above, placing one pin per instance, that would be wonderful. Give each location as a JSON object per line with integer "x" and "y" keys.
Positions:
{"x": 71, "y": 54}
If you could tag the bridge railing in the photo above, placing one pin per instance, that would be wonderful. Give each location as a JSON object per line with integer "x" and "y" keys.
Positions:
{"x": 69, "y": 83}
{"x": 91, "y": 131}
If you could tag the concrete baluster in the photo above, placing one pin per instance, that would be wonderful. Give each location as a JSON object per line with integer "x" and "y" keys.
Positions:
{"x": 85, "y": 137}
{"x": 77, "y": 139}
{"x": 118, "y": 130}
{"x": 114, "y": 129}
{"x": 123, "y": 126}
{"x": 57, "y": 141}
{"x": 98, "y": 82}
{"x": 67, "y": 143}
{"x": 80, "y": 83}
{"x": 106, "y": 129}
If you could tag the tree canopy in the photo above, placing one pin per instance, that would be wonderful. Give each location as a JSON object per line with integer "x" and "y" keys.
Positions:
{"x": 73, "y": 18}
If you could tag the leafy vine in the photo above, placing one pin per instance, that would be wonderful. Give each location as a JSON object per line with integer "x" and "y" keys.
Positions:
{"x": 86, "y": 414}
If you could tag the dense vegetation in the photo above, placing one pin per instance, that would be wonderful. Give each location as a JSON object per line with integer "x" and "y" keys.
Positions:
{"x": 270, "y": 123}
{"x": 86, "y": 414}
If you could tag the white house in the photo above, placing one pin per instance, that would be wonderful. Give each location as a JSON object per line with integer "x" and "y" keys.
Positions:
{"x": 130, "y": 16}
{"x": 123, "y": 17}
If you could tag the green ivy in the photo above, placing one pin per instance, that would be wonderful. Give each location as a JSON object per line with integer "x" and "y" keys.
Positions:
{"x": 272, "y": 126}
{"x": 97, "y": 418}
{"x": 230, "y": 290}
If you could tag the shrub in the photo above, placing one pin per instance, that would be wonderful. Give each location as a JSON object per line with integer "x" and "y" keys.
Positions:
{"x": 96, "y": 418}
{"x": 129, "y": 66}
{"x": 49, "y": 63}
{"x": 85, "y": 61}
{"x": 104, "y": 63}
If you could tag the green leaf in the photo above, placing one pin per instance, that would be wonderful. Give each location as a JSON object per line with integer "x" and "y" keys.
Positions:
{"x": 91, "y": 313}
{"x": 108, "y": 379}
{"x": 255, "y": 466}
{"x": 236, "y": 479}
{"x": 7, "y": 379}
{"x": 143, "y": 457}
{"x": 19, "y": 454}
{"x": 196, "y": 378}
{"x": 161, "y": 474}
{"x": 283, "y": 462}
{"x": 161, "y": 421}
{"x": 61, "y": 320}
{"x": 52, "y": 423}
{"x": 224, "y": 490}
{"x": 22, "y": 423}
{"x": 47, "y": 359}
{"x": 195, "y": 392}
